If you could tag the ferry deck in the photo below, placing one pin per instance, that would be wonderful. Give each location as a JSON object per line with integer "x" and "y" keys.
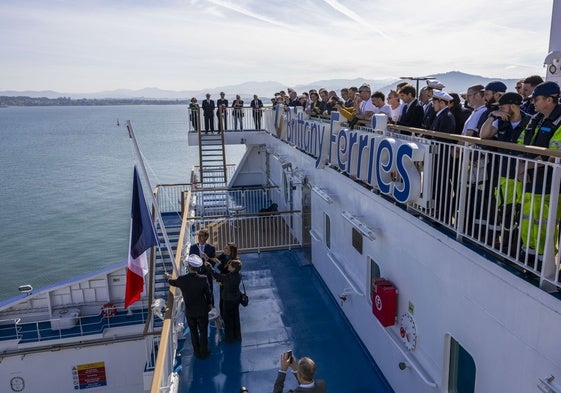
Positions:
{"x": 305, "y": 318}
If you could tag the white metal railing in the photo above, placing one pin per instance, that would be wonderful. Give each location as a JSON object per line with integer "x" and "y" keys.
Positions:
{"x": 230, "y": 201}
{"x": 253, "y": 232}
{"x": 496, "y": 201}
{"x": 460, "y": 177}
{"x": 196, "y": 180}
{"x": 230, "y": 119}
{"x": 48, "y": 329}
{"x": 170, "y": 197}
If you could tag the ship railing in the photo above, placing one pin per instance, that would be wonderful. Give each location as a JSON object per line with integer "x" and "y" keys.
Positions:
{"x": 253, "y": 232}
{"x": 62, "y": 328}
{"x": 256, "y": 218}
{"x": 477, "y": 193}
{"x": 494, "y": 200}
{"x": 10, "y": 329}
{"x": 230, "y": 119}
{"x": 170, "y": 197}
{"x": 459, "y": 177}
{"x": 196, "y": 180}
{"x": 165, "y": 343}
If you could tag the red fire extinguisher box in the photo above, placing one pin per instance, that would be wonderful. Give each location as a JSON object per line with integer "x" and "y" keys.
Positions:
{"x": 384, "y": 301}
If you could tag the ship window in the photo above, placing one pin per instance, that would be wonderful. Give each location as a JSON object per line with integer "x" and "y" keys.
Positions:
{"x": 374, "y": 273}
{"x": 461, "y": 375}
{"x": 327, "y": 231}
{"x": 357, "y": 240}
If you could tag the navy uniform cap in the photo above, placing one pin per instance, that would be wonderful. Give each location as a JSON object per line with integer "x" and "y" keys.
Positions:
{"x": 442, "y": 95}
{"x": 510, "y": 98}
{"x": 547, "y": 89}
{"x": 194, "y": 260}
{"x": 497, "y": 86}
{"x": 435, "y": 84}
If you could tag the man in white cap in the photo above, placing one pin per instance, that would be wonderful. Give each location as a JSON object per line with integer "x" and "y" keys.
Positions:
{"x": 428, "y": 92}
{"x": 444, "y": 168}
{"x": 198, "y": 302}
{"x": 443, "y": 120}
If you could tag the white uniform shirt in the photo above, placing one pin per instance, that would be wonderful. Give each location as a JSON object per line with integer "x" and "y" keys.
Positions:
{"x": 473, "y": 119}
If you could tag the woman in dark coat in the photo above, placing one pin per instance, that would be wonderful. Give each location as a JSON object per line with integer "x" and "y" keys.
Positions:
{"x": 229, "y": 253}
{"x": 230, "y": 299}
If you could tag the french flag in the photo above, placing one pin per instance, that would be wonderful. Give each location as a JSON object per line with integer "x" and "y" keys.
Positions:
{"x": 142, "y": 237}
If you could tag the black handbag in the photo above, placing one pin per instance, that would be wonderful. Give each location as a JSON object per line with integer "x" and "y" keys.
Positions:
{"x": 244, "y": 300}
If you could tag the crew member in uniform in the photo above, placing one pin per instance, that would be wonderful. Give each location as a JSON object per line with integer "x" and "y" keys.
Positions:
{"x": 505, "y": 125}
{"x": 443, "y": 175}
{"x": 544, "y": 130}
{"x": 197, "y": 299}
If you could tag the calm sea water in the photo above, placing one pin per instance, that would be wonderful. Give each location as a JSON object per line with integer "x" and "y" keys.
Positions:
{"x": 65, "y": 185}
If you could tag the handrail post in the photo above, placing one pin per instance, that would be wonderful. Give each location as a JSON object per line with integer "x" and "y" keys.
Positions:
{"x": 549, "y": 267}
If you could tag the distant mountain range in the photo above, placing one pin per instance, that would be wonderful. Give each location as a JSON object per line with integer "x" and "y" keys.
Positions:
{"x": 455, "y": 81}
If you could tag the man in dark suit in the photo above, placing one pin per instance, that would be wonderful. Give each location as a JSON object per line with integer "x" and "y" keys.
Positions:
{"x": 293, "y": 98}
{"x": 197, "y": 300}
{"x": 304, "y": 372}
{"x": 221, "y": 113}
{"x": 208, "y": 112}
{"x": 257, "y": 104}
{"x": 412, "y": 113}
{"x": 206, "y": 251}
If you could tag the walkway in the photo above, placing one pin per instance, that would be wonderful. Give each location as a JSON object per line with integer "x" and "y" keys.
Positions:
{"x": 289, "y": 308}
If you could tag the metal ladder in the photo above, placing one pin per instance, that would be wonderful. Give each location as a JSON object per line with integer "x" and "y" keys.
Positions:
{"x": 212, "y": 173}
{"x": 212, "y": 160}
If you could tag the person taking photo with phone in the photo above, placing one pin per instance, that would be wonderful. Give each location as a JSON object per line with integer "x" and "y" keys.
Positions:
{"x": 304, "y": 370}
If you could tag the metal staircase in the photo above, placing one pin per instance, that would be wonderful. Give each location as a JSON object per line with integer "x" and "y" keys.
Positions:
{"x": 212, "y": 160}
{"x": 212, "y": 174}
{"x": 173, "y": 228}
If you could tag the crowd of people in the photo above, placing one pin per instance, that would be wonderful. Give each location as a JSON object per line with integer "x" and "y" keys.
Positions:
{"x": 197, "y": 289}
{"x": 219, "y": 109}
{"x": 486, "y": 111}
{"x": 529, "y": 114}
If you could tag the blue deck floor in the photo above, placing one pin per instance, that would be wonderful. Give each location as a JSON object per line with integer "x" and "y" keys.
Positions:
{"x": 289, "y": 308}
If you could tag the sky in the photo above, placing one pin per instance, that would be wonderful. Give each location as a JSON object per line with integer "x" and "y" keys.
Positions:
{"x": 79, "y": 46}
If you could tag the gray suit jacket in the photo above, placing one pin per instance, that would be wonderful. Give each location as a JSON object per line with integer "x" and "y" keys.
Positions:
{"x": 319, "y": 387}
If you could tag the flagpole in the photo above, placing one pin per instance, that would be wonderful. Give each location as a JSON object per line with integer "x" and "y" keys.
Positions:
{"x": 146, "y": 179}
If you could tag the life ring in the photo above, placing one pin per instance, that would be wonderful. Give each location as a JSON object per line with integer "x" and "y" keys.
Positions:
{"x": 108, "y": 310}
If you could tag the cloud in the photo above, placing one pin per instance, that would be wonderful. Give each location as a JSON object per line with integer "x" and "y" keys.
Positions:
{"x": 173, "y": 44}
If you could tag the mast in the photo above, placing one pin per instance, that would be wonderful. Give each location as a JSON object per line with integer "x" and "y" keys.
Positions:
{"x": 146, "y": 179}
{"x": 552, "y": 61}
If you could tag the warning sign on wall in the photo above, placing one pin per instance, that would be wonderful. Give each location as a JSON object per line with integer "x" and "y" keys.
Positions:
{"x": 90, "y": 375}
